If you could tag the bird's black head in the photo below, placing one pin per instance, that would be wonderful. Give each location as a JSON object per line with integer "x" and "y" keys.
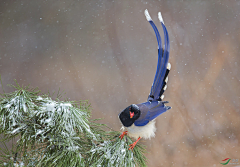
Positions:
{"x": 129, "y": 115}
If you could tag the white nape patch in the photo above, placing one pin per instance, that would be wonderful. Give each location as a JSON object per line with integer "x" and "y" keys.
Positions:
{"x": 169, "y": 66}
{"x": 160, "y": 17}
{"x": 166, "y": 80}
{"x": 165, "y": 87}
{"x": 145, "y": 132}
{"x": 162, "y": 97}
{"x": 148, "y": 17}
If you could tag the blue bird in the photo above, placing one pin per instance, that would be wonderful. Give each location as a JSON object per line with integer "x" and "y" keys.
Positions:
{"x": 139, "y": 119}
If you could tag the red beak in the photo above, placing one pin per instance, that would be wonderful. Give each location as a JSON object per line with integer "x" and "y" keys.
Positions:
{"x": 131, "y": 114}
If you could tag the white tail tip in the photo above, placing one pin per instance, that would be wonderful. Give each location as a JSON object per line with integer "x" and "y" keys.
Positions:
{"x": 160, "y": 17}
{"x": 166, "y": 80}
{"x": 169, "y": 66}
{"x": 162, "y": 97}
{"x": 148, "y": 17}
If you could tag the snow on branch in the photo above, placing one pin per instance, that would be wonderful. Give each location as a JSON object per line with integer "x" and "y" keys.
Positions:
{"x": 59, "y": 133}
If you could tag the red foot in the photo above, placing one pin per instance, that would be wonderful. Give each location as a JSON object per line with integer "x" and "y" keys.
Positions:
{"x": 134, "y": 144}
{"x": 122, "y": 135}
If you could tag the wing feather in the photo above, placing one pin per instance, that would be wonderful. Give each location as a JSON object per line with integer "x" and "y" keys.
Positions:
{"x": 150, "y": 111}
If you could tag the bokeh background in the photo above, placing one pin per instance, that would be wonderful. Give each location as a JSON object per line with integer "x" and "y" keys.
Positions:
{"x": 106, "y": 51}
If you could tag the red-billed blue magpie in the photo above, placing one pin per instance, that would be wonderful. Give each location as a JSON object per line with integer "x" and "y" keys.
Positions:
{"x": 139, "y": 119}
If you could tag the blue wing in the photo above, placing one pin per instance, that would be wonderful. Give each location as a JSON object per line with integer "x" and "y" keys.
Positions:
{"x": 149, "y": 111}
{"x": 161, "y": 72}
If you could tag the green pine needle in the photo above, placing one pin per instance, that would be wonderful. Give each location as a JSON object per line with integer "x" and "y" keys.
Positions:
{"x": 59, "y": 133}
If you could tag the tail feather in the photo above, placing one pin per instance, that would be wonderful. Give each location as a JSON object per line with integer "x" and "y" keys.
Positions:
{"x": 164, "y": 69}
{"x": 164, "y": 86}
{"x": 161, "y": 76}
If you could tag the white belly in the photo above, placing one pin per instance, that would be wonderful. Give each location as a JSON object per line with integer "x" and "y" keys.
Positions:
{"x": 145, "y": 132}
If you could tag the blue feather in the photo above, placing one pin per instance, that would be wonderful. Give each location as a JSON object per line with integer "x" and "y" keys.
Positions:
{"x": 162, "y": 63}
{"x": 154, "y": 110}
{"x": 165, "y": 62}
{"x": 159, "y": 57}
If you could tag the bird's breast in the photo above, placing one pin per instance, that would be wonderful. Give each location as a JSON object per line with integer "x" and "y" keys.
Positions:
{"x": 145, "y": 132}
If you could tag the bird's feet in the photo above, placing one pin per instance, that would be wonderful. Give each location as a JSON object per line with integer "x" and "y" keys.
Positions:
{"x": 134, "y": 144}
{"x": 122, "y": 135}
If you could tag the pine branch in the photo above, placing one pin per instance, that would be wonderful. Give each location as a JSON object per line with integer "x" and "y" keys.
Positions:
{"x": 114, "y": 152}
{"x": 59, "y": 133}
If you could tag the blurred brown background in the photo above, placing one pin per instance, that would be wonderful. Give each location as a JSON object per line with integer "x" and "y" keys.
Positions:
{"x": 106, "y": 52}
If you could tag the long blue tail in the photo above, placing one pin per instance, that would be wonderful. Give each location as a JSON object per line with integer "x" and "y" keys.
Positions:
{"x": 160, "y": 79}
